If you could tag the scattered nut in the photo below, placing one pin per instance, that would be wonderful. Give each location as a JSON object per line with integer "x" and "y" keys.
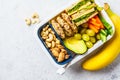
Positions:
{"x": 35, "y": 15}
{"x": 34, "y": 21}
{"x": 28, "y": 21}
{"x": 37, "y": 20}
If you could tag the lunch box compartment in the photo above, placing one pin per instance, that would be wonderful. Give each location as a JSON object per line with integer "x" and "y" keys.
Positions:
{"x": 60, "y": 63}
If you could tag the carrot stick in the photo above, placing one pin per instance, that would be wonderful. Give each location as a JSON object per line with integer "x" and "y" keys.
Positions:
{"x": 93, "y": 20}
{"x": 98, "y": 20}
{"x": 95, "y": 23}
{"x": 91, "y": 26}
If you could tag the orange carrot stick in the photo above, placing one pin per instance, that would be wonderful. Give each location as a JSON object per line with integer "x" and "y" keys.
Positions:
{"x": 91, "y": 26}
{"x": 95, "y": 23}
{"x": 98, "y": 20}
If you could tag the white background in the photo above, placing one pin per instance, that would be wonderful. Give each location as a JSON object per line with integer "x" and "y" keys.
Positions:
{"x": 21, "y": 58}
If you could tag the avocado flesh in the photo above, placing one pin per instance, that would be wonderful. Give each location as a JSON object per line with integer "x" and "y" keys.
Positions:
{"x": 75, "y": 45}
{"x": 86, "y": 19}
{"x": 82, "y": 13}
{"x": 83, "y": 17}
{"x": 78, "y": 5}
{"x": 80, "y": 8}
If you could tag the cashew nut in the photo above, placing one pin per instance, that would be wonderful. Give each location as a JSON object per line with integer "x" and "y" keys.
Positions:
{"x": 49, "y": 29}
{"x": 50, "y": 38}
{"x": 60, "y": 46}
{"x": 61, "y": 57}
{"x": 28, "y": 21}
{"x": 53, "y": 44}
{"x": 54, "y": 37}
{"x": 45, "y": 37}
{"x": 37, "y": 20}
{"x": 33, "y": 21}
{"x": 57, "y": 41}
{"x": 64, "y": 51}
{"x": 35, "y": 15}
{"x": 44, "y": 33}
{"x": 67, "y": 56}
{"x": 48, "y": 44}
{"x": 55, "y": 52}
{"x": 44, "y": 29}
{"x": 52, "y": 32}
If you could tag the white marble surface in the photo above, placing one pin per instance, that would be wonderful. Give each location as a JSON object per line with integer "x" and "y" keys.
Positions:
{"x": 21, "y": 58}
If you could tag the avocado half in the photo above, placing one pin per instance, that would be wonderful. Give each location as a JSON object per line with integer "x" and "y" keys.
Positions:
{"x": 75, "y": 45}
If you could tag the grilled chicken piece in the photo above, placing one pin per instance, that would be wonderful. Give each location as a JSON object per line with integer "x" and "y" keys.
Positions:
{"x": 65, "y": 26}
{"x": 58, "y": 29}
{"x": 69, "y": 21}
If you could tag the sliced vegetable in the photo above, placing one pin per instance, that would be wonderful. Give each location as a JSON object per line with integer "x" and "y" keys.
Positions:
{"x": 110, "y": 50}
{"x": 104, "y": 32}
{"x": 91, "y": 26}
{"x": 99, "y": 21}
{"x": 95, "y": 24}
{"x": 103, "y": 37}
{"x": 110, "y": 31}
{"x": 106, "y": 24}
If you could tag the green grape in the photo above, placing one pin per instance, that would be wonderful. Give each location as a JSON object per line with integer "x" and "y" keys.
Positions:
{"x": 89, "y": 44}
{"x": 93, "y": 39}
{"x": 90, "y": 32}
{"x": 77, "y": 36}
{"x": 98, "y": 36}
{"x": 83, "y": 30}
{"x": 85, "y": 37}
